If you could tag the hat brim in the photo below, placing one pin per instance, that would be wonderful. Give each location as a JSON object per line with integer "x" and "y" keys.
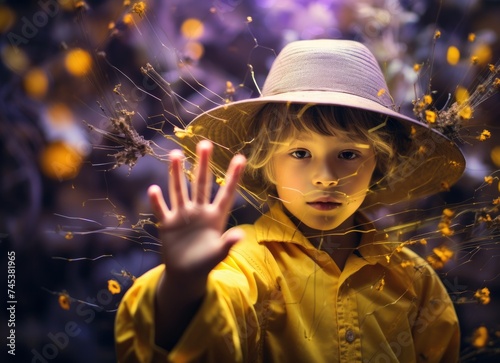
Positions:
{"x": 437, "y": 164}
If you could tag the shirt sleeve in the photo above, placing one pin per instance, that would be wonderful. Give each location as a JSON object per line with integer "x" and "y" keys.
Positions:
{"x": 224, "y": 329}
{"x": 436, "y": 331}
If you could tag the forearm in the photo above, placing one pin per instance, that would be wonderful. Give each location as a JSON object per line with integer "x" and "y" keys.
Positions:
{"x": 176, "y": 303}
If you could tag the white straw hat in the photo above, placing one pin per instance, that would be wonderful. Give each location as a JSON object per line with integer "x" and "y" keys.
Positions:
{"x": 333, "y": 72}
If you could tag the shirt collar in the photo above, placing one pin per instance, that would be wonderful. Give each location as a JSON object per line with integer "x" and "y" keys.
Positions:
{"x": 275, "y": 226}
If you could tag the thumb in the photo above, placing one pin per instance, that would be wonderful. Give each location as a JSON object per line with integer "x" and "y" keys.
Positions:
{"x": 231, "y": 237}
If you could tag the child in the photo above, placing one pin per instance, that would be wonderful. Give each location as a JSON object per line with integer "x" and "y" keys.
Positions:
{"x": 311, "y": 280}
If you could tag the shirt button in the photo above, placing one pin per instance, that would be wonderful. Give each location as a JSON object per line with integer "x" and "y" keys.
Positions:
{"x": 350, "y": 336}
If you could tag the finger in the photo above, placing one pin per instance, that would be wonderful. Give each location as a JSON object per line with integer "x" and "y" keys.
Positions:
{"x": 225, "y": 196}
{"x": 157, "y": 201}
{"x": 229, "y": 239}
{"x": 177, "y": 182}
{"x": 202, "y": 185}
{"x": 232, "y": 236}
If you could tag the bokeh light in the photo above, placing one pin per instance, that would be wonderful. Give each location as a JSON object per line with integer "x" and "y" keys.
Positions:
{"x": 78, "y": 62}
{"x": 60, "y": 161}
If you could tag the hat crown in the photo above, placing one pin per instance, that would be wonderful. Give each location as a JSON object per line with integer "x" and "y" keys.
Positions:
{"x": 327, "y": 65}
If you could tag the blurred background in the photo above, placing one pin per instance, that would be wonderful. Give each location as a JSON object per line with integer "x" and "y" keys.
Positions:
{"x": 92, "y": 92}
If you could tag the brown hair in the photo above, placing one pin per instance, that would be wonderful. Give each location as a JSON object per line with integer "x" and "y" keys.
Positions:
{"x": 278, "y": 122}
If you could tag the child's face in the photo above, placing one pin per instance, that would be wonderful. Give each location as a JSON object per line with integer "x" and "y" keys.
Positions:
{"x": 322, "y": 180}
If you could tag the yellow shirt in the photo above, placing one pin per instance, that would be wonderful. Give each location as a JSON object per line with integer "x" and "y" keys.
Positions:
{"x": 276, "y": 298}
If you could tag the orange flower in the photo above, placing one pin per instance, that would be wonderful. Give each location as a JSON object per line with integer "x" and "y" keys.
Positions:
{"x": 114, "y": 287}
{"x": 439, "y": 257}
{"x": 496, "y": 83}
{"x": 64, "y": 301}
{"x": 407, "y": 264}
{"x": 139, "y": 8}
{"x": 483, "y": 296}
{"x": 480, "y": 337}
{"x": 448, "y": 213}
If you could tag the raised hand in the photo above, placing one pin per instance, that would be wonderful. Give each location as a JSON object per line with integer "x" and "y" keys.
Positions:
{"x": 191, "y": 230}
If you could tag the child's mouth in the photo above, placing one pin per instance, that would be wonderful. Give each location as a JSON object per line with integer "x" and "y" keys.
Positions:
{"x": 324, "y": 205}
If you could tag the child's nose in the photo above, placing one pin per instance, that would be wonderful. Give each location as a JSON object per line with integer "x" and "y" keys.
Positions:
{"x": 325, "y": 175}
{"x": 326, "y": 179}
{"x": 326, "y": 183}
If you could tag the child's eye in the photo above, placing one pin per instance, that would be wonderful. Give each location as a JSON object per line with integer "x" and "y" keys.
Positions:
{"x": 300, "y": 154}
{"x": 348, "y": 155}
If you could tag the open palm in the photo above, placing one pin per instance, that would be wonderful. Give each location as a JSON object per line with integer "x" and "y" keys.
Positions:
{"x": 192, "y": 228}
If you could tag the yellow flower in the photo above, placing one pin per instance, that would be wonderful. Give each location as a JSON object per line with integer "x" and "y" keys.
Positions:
{"x": 443, "y": 252}
{"x": 480, "y": 337}
{"x": 64, "y": 301}
{"x": 139, "y": 8}
{"x": 445, "y": 229}
{"x": 427, "y": 99}
{"x": 437, "y": 34}
{"x": 484, "y": 135}
{"x": 407, "y": 264}
{"x": 430, "y": 116}
{"x": 496, "y": 83}
{"x": 417, "y": 67}
{"x": 440, "y": 256}
{"x": 448, "y": 213}
{"x": 471, "y": 37}
{"x": 486, "y": 218}
{"x": 128, "y": 19}
{"x": 474, "y": 59}
{"x": 114, "y": 287}
{"x": 483, "y": 295}
{"x": 465, "y": 112}
{"x": 180, "y": 133}
{"x": 220, "y": 181}
{"x": 488, "y": 179}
